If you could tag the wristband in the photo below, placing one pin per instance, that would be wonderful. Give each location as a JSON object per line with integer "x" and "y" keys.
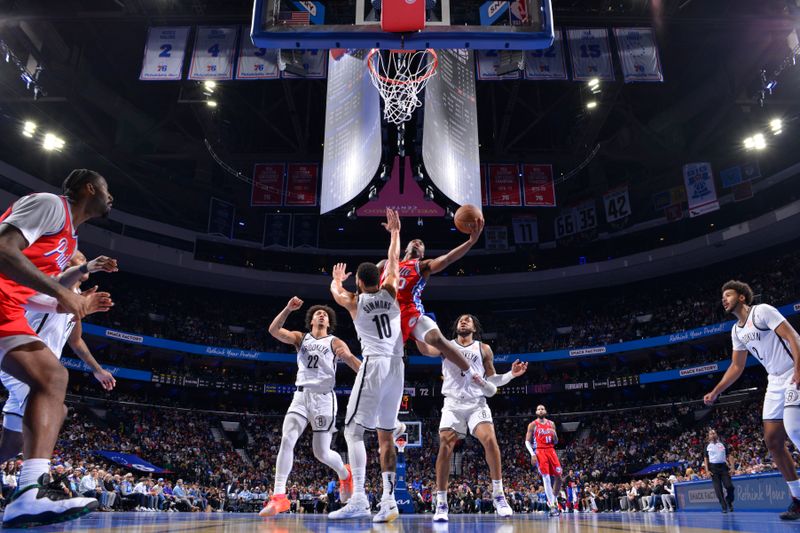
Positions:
{"x": 84, "y": 268}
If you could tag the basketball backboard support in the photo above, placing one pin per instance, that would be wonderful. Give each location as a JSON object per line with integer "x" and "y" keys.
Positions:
{"x": 475, "y": 24}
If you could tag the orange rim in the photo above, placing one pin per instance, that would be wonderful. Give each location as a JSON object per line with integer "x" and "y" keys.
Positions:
{"x": 385, "y": 79}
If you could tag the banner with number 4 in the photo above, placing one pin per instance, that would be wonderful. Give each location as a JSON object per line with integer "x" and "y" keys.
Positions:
{"x": 212, "y": 58}
{"x": 163, "y": 53}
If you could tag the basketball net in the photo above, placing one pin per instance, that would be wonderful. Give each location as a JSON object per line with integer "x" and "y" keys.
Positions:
{"x": 400, "y": 76}
{"x": 400, "y": 442}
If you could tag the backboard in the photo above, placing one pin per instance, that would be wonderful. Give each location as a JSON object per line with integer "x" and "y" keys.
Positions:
{"x": 477, "y": 24}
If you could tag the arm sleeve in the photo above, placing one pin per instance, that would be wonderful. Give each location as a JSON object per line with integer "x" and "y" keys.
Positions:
{"x": 766, "y": 315}
{"x": 737, "y": 344}
{"x": 530, "y": 447}
{"x": 36, "y": 215}
{"x": 501, "y": 379}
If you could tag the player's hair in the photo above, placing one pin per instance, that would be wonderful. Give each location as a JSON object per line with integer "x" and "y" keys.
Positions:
{"x": 77, "y": 179}
{"x": 475, "y": 322}
{"x": 741, "y": 288}
{"x": 369, "y": 274}
{"x": 331, "y": 317}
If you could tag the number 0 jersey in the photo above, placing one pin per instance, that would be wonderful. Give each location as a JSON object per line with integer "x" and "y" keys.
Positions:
{"x": 758, "y": 337}
{"x": 377, "y": 325}
{"x": 316, "y": 363}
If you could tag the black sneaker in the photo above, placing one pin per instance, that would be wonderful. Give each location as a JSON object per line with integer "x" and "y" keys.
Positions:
{"x": 730, "y": 507}
{"x": 38, "y": 505}
{"x": 793, "y": 513}
{"x": 724, "y": 510}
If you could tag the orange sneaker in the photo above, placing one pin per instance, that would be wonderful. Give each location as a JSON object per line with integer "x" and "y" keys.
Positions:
{"x": 279, "y": 503}
{"x": 346, "y": 486}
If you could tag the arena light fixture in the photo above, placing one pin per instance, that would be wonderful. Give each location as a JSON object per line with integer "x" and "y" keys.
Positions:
{"x": 776, "y": 125}
{"x": 211, "y": 103}
{"x": 429, "y": 194}
{"x": 749, "y": 143}
{"x": 210, "y": 85}
{"x": 594, "y": 85}
{"x": 759, "y": 142}
{"x": 591, "y": 105}
{"x": 29, "y": 128}
{"x": 351, "y": 215}
{"x": 373, "y": 193}
{"x": 52, "y": 142}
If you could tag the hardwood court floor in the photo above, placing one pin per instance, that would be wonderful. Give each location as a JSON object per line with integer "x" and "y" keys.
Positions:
{"x": 246, "y": 523}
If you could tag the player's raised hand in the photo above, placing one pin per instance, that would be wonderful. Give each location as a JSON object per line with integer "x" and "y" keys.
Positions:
{"x": 94, "y": 302}
{"x": 710, "y": 398}
{"x": 477, "y": 230}
{"x": 392, "y": 220}
{"x": 518, "y": 368}
{"x": 294, "y": 304}
{"x": 340, "y": 272}
{"x": 106, "y": 264}
{"x": 106, "y": 379}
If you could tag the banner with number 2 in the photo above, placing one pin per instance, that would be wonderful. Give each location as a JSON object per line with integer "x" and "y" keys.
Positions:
{"x": 163, "y": 53}
{"x": 212, "y": 58}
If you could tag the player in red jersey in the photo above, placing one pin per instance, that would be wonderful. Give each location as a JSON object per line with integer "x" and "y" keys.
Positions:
{"x": 414, "y": 273}
{"x": 37, "y": 240}
{"x": 541, "y": 441}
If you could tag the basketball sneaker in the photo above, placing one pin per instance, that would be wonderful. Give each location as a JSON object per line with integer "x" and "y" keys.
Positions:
{"x": 554, "y": 511}
{"x": 388, "y": 511}
{"x": 441, "y": 512}
{"x": 793, "y": 513}
{"x": 399, "y": 430}
{"x": 41, "y": 504}
{"x": 357, "y": 507}
{"x": 501, "y": 505}
{"x": 279, "y": 503}
{"x": 346, "y": 486}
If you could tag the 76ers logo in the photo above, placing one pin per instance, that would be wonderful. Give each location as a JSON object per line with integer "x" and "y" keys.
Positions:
{"x": 60, "y": 251}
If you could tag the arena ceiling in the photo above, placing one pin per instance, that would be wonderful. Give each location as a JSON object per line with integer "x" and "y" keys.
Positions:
{"x": 149, "y": 137}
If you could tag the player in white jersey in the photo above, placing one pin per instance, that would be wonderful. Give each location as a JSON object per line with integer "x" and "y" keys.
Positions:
{"x": 378, "y": 389}
{"x": 55, "y": 330}
{"x": 314, "y": 401}
{"x": 465, "y": 409}
{"x": 764, "y": 332}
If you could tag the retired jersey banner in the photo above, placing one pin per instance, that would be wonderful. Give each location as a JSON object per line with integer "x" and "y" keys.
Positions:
{"x": 638, "y": 54}
{"x": 212, "y": 58}
{"x": 301, "y": 184}
{"x": 315, "y": 65}
{"x": 617, "y": 204}
{"x": 277, "y": 228}
{"x": 163, "y": 53}
{"x": 700, "y": 191}
{"x": 547, "y": 64}
{"x": 267, "y": 184}
{"x": 220, "y": 217}
{"x": 538, "y": 185}
{"x": 526, "y": 229}
{"x": 590, "y": 52}
{"x": 255, "y": 63}
{"x": 504, "y": 187}
{"x": 484, "y": 193}
{"x": 488, "y": 62}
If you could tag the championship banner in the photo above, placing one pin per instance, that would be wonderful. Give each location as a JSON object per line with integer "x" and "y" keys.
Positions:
{"x": 495, "y": 237}
{"x": 526, "y": 229}
{"x": 617, "y": 204}
{"x": 163, "y": 53}
{"x": 277, "y": 228}
{"x": 220, "y": 217}
{"x": 547, "y": 64}
{"x": 267, "y": 188}
{"x": 504, "y": 189}
{"x": 130, "y": 461}
{"x": 700, "y": 190}
{"x": 484, "y": 192}
{"x": 301, "y": 184}
{"x": 315, "y": 65}
{"x": 488, "y": 62}
{"x": 590, "y": 52}
{"x": 212, "y": 58}
{"x": 305, "y": 231}
{"x": 255, "y": 63}
{"x": 538, "y": 185}
{"x": 638, "y": 54}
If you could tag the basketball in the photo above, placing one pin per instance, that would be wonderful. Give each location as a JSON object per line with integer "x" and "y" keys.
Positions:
{"x": 467, "y": 218}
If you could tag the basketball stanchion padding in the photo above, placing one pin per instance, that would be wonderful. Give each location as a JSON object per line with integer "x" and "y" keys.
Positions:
{"x": 402, "y": 16}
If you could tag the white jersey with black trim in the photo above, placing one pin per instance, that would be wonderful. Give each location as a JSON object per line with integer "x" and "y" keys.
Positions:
{"x": 53, "y": 328}
{"x": 378, "y": 325}
{"x": 456, "y": 384}
{"x": 758, "y": 337}
{"x": 316, "y": 363}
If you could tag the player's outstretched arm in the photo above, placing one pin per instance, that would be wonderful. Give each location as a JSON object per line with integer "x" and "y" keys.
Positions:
{"x": 72, "y": 275}
{"x": 733, "y": 373}
{"x": 341, "y": 295}
{"x": 435, "y": 266}
{"x": 392, "y": 267}
{"x": 517, "y": 369}
{"x": 427, "y": 350}
{"x": 528, "y": 445}
{"x": 78, "y": 346}
{"x": 277, "y": 330}
{"x": 343, "y": 352}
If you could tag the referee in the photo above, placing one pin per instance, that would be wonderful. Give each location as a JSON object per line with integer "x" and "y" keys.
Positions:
{"x": 716, "y": 462}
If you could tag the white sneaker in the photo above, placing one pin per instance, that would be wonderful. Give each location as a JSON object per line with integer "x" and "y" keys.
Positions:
{"x": 36, "y": 505}
{"x": 357, "y": 507}
{"x": 388, "y": 511}
{"x": 501, "y": 505}
{"x": 441, "y": 513}
{"x": 399, "y": 430}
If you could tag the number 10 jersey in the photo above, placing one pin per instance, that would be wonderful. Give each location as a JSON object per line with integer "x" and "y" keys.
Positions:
{"x": 378, "y": 324}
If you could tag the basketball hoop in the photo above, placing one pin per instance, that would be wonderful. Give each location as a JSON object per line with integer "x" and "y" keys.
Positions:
{"x": 400, "y": 442}
{"x": 399, "y": 76}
